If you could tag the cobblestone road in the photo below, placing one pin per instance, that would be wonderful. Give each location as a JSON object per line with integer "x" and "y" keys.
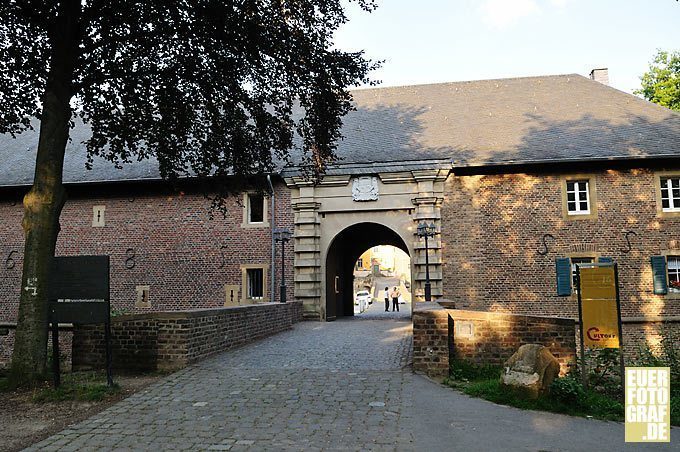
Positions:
{"x": 327, "y": 386}
{"x": 321, "y": 386}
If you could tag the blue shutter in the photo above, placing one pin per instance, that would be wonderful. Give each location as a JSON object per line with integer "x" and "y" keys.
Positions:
{"x": 605, "y": 260}
{"x": 659, "y": 275}
{"x": 563, "y": 270}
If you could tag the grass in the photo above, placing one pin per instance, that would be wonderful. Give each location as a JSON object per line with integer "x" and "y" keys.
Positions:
{"x": 78, "y": 386}
{"x": 567, "y": 395}
{"x": 484, "y": 382}
{"x": 75, "y": 392}
{"x": 591, "y": 404}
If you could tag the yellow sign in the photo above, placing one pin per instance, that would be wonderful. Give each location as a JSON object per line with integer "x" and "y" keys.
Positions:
{"x": 648, "y": 404}
{"x": 598, "y": 305}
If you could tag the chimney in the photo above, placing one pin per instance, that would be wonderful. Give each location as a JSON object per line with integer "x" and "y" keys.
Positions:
{"x": 600, "y": 75}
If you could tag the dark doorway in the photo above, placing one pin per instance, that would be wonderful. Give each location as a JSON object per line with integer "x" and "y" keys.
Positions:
{"x": 343, "y": 253}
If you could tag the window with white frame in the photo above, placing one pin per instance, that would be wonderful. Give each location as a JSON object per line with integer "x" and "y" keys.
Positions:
{"x": 670, "y": 194}
{"x": 673, "y": 263}
{"x": 574, "y": 262}
{"x": 578, "y": 197}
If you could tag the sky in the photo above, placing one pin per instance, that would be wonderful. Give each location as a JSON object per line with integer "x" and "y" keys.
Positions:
{"x": 430, "y": 41}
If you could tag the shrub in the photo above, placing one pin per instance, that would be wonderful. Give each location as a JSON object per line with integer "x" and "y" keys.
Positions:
{"x": 668, "y": 356}
{"x": 567, "y": 389}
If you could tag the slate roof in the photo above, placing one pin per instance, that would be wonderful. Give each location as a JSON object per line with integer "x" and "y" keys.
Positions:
{"x": 519, "y": 120}
{"x": 561, "y": 118}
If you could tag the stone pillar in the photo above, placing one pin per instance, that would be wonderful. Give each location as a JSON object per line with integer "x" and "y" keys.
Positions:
{"x": 428, "y": 209}
{"x": 308, "y": 282}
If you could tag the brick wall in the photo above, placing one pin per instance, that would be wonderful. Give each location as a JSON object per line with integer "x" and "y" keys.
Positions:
{"x": 492, "y": 230}
{"x": 640, "y": 333}
{"x": 177, "y": 245}
{"x": 172, "y": 340}
{"x": 483, "y": 337}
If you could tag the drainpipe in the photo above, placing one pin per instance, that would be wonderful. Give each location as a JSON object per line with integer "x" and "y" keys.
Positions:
{"x": 273, "y": 226}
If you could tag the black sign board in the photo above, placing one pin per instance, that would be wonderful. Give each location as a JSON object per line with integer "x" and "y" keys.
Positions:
{"x": 78, "y": 292}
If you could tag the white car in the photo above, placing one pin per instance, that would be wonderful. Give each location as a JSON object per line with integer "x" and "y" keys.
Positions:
{"x": 363, "y": 298}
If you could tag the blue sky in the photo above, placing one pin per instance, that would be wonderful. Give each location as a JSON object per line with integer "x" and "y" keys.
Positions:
{"x": 428, "y": 41}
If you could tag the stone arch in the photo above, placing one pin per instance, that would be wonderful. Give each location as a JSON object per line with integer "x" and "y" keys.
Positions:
{"x": 341, "y": 254}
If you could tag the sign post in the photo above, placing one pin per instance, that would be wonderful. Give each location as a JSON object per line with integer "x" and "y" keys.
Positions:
{"x": 599, "y": 307}
{"x": 78, "y": 292}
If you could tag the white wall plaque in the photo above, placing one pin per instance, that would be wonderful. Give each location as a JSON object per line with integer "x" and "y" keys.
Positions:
{"x": 365, "y": 188}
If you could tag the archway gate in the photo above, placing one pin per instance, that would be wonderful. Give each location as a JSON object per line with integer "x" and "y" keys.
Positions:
{"x": 341, "y": 258}
{"x": 397, "y": 201}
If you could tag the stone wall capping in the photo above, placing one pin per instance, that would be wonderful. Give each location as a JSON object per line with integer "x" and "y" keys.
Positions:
{"x": 172, "y": 340}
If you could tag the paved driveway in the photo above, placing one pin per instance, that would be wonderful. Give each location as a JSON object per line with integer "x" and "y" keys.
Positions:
{"x": 343, "y": 385}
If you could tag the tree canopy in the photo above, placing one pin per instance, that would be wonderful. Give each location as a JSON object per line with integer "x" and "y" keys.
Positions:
{"x": 661, "y": 84}
{"x": 206, "y": 87}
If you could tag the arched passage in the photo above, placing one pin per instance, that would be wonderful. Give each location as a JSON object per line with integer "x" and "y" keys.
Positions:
{"x": 343, "y": 253}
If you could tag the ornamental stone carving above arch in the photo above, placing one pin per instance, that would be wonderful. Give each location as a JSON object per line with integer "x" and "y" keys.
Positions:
{"x": 365, "y": 188}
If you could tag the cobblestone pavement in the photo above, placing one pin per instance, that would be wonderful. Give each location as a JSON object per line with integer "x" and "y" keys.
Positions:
{"x": 376, "y": 311}
{"x": 327, "y": 386}
{"x": 320, "y": 386}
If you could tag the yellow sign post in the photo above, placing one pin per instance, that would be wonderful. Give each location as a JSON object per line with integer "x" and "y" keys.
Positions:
{"x": 599, "y": 309}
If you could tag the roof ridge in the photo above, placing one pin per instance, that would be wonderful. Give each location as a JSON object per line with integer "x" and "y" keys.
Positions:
{"x": 458, "y": 82}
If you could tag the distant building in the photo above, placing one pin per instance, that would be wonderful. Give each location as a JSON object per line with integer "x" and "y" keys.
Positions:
{"x": 388, "y": 259}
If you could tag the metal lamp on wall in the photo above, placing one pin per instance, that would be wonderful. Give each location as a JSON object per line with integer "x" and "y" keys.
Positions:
{"x": 427, "y": 230}
{"x": 282, "y": 235}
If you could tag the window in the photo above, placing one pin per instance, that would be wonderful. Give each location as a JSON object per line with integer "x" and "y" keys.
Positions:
{"x": 578, "y": 197}
{"x": 255, "y": 281}
{"x": 574, "y": 261}
{"x": 673, "y": 263}
{"x": 565, "y": 271}
{"x": 670, "y": 194}
{"x": 255, "y": 208}
{"x": 360, "y": 264}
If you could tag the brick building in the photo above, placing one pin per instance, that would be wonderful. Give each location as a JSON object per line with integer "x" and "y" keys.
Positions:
{"x": 522, "y": 177}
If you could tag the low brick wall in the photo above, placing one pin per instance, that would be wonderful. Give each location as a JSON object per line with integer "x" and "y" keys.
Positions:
{"x": 172, "y": 340}
{"x": 441, "y": 333}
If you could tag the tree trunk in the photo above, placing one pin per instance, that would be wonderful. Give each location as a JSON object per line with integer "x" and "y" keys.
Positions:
{"x": 43, "y": 203}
